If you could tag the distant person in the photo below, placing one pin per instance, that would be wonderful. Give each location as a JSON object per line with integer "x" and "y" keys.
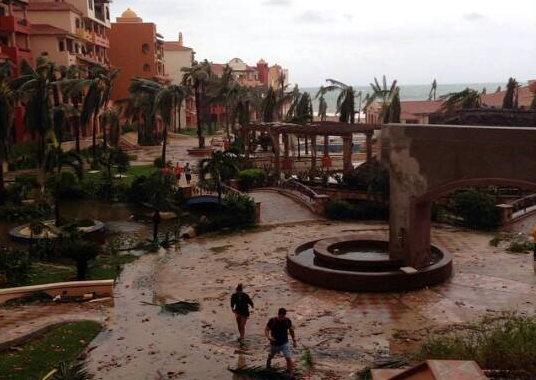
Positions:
{"x": 276, "y": 332}
{"x": 240, "y": 303}
{"x": 178, "y": 172}
{"x": 166, "y": 170}
{"x": 188, "y": 173}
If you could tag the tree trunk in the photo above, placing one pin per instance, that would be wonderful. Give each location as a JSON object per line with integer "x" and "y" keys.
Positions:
{"x": 81, "y": 270}
{"x": 179, "y": 118}
{"x": 2, "y": 186}
{"x": 94, "y": 142}
{"x": 164, "y": 143}
{"x": 41, "y": 162}
{"x": 199, "y": 109}
{"x": 156, "y": 222}
{"x": 57, "y": 213}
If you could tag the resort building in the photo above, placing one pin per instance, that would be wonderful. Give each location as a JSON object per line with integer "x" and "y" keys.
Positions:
{"x": 66, "y": 35}
{"x": 251, "y": 76}
{"x": 411, "y": 112}
{"x": 137, "y": 50}
{"x": 14, "y": 33}
{"x": 177, "y": 57}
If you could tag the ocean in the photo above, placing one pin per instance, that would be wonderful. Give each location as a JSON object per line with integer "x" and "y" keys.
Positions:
{"x": 407, "y": 92}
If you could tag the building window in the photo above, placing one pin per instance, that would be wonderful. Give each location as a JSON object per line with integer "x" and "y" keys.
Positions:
{"x": 145, "y": 48}
{"x": 77, "y": 23}
{"x": 61, "y": 45}
{"x": 146, "y": 67}
{"x": 107, "y": 13}
{"x": 90, "y": 2}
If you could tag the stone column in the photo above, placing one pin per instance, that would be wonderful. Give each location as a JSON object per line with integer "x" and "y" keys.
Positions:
{"x": 277, "y": 153}
{"x": 347, "y": 153}
{"x": 246, "y": 144}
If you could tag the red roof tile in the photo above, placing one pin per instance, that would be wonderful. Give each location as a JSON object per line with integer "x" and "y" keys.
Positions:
{"x": 52, "y": 6}
{"x": 217, "y": 68}
{"x": 495, "y": 100}
{"x": 420, "y": 107}
{"x": 175, "y": 46}
{"x": 45, "y": 29}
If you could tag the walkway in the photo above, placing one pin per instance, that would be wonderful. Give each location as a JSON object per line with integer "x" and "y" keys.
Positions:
{"x": 277, "y": 208}
{"x": 343, "y": 330}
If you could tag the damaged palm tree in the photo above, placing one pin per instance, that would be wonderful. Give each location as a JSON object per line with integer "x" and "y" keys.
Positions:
{"x": 179, "y": 307}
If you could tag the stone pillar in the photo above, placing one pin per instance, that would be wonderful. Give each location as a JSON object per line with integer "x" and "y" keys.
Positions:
{"x": 246, "y": 144}
{"x": 347, "y": 153}
{"x": 369, "y": 146}
{"x": 506, "y": 213}
{"x": 277, "y": 154}
{"x": 313, "y": 152}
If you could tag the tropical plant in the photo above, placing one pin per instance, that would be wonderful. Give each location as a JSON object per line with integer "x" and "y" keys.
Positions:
{"x": 74, "y": 92}
{"x": 7, "y": 110}
{"x": 510, "y": 100}
{"x": 99, "y": 90}
{"x": 269, "y": 105}
{"x": 466, "y": 99}
{"x": 81, "y": 251}
{"x": 345, "y": 100}
{"x": 160, "y": 194}
{"x": 224, "y": 90}
{"x": 111, "y": 119}
{"x": 322, "y": 104}
{"x": 433, "y": 91}
{"x": 301, "y": 109}
{"x": 34, "y": 87}
{"x": 220, "y": 167}
{"x": 394, "y": 108}
{"x": 385, "y": 94}
{"x": 76, "y": 371}
{"x": 55, "y": 161}
{"x": 198, "y": 78}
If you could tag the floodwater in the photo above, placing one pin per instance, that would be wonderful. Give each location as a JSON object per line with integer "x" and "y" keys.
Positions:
{"x": 344, "y": 331}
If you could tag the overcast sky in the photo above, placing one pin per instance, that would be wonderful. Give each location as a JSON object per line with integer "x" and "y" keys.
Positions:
{"x": 414, "y": 41}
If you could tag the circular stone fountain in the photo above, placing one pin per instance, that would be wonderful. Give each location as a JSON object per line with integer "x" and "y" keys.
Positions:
{"x": 362, "y": 263}
{"x": 23, "y": 233}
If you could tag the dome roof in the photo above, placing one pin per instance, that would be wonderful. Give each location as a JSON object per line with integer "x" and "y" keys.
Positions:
{"x": 129, "y": 13}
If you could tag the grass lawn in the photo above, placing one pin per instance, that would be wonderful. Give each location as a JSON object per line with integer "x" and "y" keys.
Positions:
{"x": 102, "y": 268}
{"x": 40, "y": 356}
{"x": 193, "y": 132}
{"x": 132, "y": 173}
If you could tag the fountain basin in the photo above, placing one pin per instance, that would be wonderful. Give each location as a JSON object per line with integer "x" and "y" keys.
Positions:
{"x": 361, "y": 263}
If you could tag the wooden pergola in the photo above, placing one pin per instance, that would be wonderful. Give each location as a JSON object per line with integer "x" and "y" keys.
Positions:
{"x": 325, "y": 129}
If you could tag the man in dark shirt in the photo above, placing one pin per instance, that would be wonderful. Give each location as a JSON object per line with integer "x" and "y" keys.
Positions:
{"x": 276, "y": 332}
{"x": 240, "y": 303}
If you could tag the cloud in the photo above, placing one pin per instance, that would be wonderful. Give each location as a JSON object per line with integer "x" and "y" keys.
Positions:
{"x": 474, "y": 16}
{"x": 313, "y": 17}
{"x": 277, "y": 3}
{"x": 349, "y": 17}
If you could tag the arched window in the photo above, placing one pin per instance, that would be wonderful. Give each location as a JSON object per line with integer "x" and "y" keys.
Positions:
{"x": 146, "y": 67}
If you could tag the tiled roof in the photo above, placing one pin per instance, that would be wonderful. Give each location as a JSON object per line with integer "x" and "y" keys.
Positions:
{"x": 420, "y": 107}
{"x": 175, "y": 46}
{"x": 496, "y": 99}
{"x": 217, "y": 68}
{"x": 52, "y": 6}
{"x": 45, "y": 29}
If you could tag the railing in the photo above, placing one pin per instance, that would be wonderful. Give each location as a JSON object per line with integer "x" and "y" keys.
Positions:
{"x": 14, "y": 24}
{"x": 199, "y": 191}
{"x": 314, "y": 201}
{"x": 523, "y": 204}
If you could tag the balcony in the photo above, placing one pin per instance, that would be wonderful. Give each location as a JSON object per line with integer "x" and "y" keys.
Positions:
{"x": 101, "y": 41}
{"x": 12, "y": 24}
{"x": 16, "y": 55}
{"x": 84, "y": 34}
{"x": 92, "y": 59}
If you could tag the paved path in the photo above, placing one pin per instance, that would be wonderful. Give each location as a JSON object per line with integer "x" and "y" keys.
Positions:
{"x": 277, "y": 208}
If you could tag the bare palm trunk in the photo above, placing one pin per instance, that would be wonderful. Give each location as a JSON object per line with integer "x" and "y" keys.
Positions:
{"x": 94, "y": 142}
{"x": 164, "y": 143}
{"x": 199, "y": 109}
{"x": 2, "y": 185}
{"x": 179, "y": 118}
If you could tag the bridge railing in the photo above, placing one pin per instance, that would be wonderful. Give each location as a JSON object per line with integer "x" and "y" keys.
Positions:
{"x": 314, "y": 201}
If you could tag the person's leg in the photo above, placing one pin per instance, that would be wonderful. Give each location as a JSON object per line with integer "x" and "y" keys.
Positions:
{"x": 243, "y": 327}
{"x": 288, "y": 357}
{"x": 239, "y": 325}
{"x": 273, "y": 351}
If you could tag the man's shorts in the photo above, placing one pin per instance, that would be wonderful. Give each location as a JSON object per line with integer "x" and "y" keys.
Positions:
{"x": 283, "y": 348}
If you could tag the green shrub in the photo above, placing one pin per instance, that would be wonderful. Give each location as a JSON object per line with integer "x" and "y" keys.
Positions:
{"x": 120, "y": 159}
{"x": 158, "y": 163}
{"x": 240, "y": 211}
{"x": 251, "y": 178}
{"x": 24, "y": 156}
{"x": 477, "y": 208}
{"x": 27, "y": 181}
{"x": 520, "y": 246}
{"x": 14, "y": 266}
{"x": 81, "y": 251}
{"x": 364, "y": 210}
{"x": 495, "y": 241}
{"x": 11, "y": 212}
{"x": 505, "y": 345}
{"x": 67, "y": 187}
{"x": 370, "y": 176}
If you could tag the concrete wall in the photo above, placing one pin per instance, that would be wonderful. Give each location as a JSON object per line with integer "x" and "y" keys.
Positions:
{"x": 176, "y": 60}
{"x": 50, "y": 45}
{"x": 427, "y": 161}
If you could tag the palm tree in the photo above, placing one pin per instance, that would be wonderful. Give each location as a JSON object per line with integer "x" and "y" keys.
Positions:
{"x": 223, "y": 91}
{"x": 394, "y": 108}
{"x": 99, "y": 91}
{"x": 111, "y": 118}
{"x": 220, "y": 167}
{"x": 385, "y": 94}
{"x": 160, "y": 188}
{"x": 269, "y": 106}
{"x": 34, "y": 87}
{"x": 466, "y": 99}
{"x": 301, "y": 109}
{"x": 7, "y": 110}
{"x": 55, "y": 161}
{"x": 198, "y": 78}
{"x": 74, "y": 92}
{"x": 433, "y": 91}
{"x": 322, "y": 104}
{"x": 510, "y": 100}
{"x": 345, "y": 100}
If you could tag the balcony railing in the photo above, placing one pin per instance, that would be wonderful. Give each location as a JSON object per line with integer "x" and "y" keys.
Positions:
{"x": 84, "y": 34}
{"x": 101, "y": 41}
{"x": 16, "y": 54}
{"x": 14, "y": 24}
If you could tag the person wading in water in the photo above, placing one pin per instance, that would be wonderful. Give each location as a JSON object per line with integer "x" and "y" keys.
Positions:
{"x": 240, "y": 303}
{"x": 276, "y": 332}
